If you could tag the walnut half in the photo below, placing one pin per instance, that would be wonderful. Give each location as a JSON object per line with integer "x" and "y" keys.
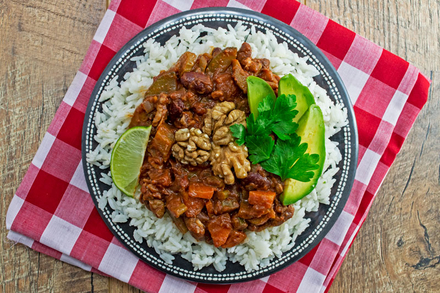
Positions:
{"x": 191, "y": 147}
{"x": 218, "y": 120}
{"x": 226, "y": 158}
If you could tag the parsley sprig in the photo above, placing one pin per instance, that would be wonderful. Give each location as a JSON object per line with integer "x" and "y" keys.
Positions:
{"x": 290, "y": 160}
{"x": 287, "y": 157}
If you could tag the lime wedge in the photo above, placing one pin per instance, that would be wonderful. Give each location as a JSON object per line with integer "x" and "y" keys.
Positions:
{"x": 128, "y": 157}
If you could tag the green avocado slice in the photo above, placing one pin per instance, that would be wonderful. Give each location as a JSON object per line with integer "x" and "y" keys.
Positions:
{"x": 312, "y": 131}
{"x": 258, "y": 89}
{"x": 289, "y": 85}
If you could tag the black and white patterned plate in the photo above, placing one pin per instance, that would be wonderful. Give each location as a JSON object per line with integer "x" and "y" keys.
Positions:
{"x": 321, "y": 221}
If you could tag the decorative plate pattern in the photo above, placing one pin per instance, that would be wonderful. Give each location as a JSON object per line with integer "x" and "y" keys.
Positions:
{"x": 321, "y": 221}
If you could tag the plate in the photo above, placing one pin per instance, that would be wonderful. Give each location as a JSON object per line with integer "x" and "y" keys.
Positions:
{"x": 321, "y": 221}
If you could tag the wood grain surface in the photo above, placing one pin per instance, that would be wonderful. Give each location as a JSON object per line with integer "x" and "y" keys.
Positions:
{"x": 42, "y": 44}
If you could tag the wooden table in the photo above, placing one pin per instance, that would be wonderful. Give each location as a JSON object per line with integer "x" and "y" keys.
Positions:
{"x": 42, "y": 44}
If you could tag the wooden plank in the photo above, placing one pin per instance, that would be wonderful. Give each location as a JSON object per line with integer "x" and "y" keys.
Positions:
{"x": 42, "y": 46}
{"x": 397, "y": 249}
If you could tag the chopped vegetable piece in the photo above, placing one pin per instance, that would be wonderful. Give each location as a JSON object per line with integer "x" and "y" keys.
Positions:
{"x": 164, "y": 83}
{"x": 209, "y": 207}
{"x": 222, "y": 194}
{"x": 222, "y": 61}
{"x": 142, "y": 113}
{"x": 263, "y": 219}
{"x": 261, "y": 198}
{"x": 239, "y": 75}
{"x": 162, "y": 142}
{"x": 175, "y": 205}
{"x": 238, "y": 223}
{"x": 248, "y": 211}
{"x": 200, "y": 190}
{"x": 220, "y": 227}
{"x": 235, "y": 238}
{"x": 194, "y": 205}
{"x": 180, "y": 224}
{"x": 225, "y": 206}
{"x": 185, "y": 63}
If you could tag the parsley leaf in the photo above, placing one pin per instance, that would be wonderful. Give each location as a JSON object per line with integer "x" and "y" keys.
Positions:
{"x": 302, "y": 170}
{"x": 274, "y": 117}
{"x": 283, "y": 108}
{"x": 260, "y": 147}
{"x": 266, "y": 105}
{"x": 289, "y": 160}
{"x": 239, "y": 132}
{"x": 282, "y": 115}
{"x": 284, "y": 128}
{"x": 258, "y": 126}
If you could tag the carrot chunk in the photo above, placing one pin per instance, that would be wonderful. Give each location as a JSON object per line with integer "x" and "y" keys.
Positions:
{"x": 220, "y": 227}
{"x": 261, "y": 198}
{"x": 200, "y": 190}
{"x": 162, "y": 142}
{"x": 235, "y": 238}
{"x": 194, "y": 204}
{"x": 209, "y": 207}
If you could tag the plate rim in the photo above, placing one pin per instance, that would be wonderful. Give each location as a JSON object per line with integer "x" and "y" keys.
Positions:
{"x": 287, "y": 29}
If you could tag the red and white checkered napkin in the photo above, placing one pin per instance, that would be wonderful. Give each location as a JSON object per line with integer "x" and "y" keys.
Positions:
{"x": 52, "y": 211}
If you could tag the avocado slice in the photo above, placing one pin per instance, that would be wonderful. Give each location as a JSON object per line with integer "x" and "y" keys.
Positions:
{"x": 289, "y": 85}
{"x": 312, "y": 131}
{"x": 258, "y": 89}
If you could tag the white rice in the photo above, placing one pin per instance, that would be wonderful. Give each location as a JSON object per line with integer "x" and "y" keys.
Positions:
{"x": 119, "y": 102}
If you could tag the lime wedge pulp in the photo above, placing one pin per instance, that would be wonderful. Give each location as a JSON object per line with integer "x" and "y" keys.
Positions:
{"x": 128, "y": 157}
